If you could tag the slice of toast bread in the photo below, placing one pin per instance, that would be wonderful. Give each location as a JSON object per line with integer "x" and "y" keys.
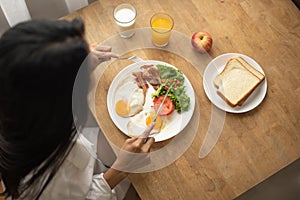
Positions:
{"x": 251, "y": 68}
{"x": 236, "y": 82}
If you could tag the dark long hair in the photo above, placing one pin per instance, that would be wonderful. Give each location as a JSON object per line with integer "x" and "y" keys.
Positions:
{"x": 39, "y": 61}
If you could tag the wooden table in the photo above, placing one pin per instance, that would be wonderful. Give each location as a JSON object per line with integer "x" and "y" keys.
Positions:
{"x": 253, "y": 145}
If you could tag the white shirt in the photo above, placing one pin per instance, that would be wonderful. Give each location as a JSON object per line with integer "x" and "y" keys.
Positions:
{"x": 76, "y": 178}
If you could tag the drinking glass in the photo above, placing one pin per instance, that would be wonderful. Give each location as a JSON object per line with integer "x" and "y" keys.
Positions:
{"x": 124, "y": 16}
{"x": 161, "y": 25}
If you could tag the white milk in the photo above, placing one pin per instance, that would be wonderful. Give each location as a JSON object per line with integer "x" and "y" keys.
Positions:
{"x": 125, "y": 19}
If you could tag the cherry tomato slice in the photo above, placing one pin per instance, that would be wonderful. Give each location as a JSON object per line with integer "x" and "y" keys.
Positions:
{"x": 167, "y": 108}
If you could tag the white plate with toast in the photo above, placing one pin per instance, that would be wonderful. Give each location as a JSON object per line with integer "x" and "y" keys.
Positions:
{"x": 215, "y": 67}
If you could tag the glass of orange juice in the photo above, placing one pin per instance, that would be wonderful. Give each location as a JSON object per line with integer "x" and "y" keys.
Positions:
{"x": 161, "y": 25}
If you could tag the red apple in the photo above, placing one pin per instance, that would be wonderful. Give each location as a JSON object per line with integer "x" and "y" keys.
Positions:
{"x": 202, "y": 41}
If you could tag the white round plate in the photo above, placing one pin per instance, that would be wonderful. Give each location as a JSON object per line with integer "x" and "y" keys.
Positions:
{"x": 174, "y": 125}
{"x": 215, "y": 67}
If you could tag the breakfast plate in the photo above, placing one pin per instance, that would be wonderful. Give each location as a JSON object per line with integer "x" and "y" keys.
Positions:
{"x": 174, "y": 123}
{"x": 215, "y": 67}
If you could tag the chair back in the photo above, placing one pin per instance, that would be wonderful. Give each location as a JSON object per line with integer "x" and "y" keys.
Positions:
{"x": 13, "y": 12}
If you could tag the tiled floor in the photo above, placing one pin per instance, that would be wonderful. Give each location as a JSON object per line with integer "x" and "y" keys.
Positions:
{"x": 284, "y": 185}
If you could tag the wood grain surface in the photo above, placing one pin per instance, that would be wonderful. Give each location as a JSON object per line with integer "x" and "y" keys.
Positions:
{"x": 253, "y": 145}
{"x": 1, "y": 190}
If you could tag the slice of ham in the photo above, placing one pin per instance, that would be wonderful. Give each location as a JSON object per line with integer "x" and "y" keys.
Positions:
{"x": 151, "y": 74}
{"x": 140, "y": 81}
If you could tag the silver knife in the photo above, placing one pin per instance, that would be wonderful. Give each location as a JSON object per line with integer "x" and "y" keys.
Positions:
{"x": 151, "y": 126}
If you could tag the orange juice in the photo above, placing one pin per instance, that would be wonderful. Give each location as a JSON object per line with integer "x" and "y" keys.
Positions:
{"x": 161, "y": 25}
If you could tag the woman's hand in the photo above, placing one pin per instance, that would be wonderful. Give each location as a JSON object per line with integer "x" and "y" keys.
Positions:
{"x": 101, "y": 53}
{"x": 133, "y": 154}
{"x": 137, "y": 145}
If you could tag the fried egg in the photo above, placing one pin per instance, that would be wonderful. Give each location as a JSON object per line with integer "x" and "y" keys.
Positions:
{"x": 129, "y": 100}
{"x": 138, "y": 108}
{"x": 138, "y": 123}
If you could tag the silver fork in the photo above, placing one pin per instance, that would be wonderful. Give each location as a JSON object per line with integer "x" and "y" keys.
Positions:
{"x": 133, "y": 58}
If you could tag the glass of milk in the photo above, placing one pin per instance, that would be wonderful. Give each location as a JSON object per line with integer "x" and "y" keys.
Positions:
{"x": 124, "y": 16}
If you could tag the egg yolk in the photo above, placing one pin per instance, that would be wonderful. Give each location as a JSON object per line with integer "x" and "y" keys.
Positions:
{"x": 122, "y": 108}
{"x": 158, "y": 123}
